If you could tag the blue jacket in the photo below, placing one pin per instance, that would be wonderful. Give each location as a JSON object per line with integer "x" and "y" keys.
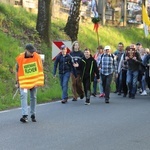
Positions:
{"x": 65, "y": 64}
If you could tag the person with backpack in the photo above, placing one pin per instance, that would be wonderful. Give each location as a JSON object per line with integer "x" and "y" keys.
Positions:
{"x": 108, "y": 66}
{"x": 122, "y": 68}
{"x": 118, "y": 53}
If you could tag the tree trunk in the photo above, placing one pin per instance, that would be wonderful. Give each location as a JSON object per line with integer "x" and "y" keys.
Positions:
{"x": 43, "y": 20}
{"x": 72, "y": 25}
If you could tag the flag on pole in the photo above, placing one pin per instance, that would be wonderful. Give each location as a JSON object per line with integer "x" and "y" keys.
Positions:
{"x": 146, "y": 21}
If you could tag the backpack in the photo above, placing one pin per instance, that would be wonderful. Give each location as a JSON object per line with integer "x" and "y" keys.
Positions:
{"x": 111, "y": 55}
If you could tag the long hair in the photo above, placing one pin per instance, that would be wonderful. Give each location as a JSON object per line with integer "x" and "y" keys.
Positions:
{"x": 74, "y": 44}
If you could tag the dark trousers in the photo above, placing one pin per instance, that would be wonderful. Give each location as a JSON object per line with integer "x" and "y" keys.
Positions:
{"x": 87, "y": 88}
{"x": 95, "y": 85}
{"x": 124, "y": 85}
{"x": 106, "y": 81}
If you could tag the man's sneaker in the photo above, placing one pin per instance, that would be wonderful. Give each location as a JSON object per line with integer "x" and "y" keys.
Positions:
{"x": 74, "y": 99}
{"x": 24, "y": 119}
{"x": 119, "y": 93}
{"x": 144, "y": 93}
{"x": 87, "y": 102}
{"x": 102, "y": 95}
{"x": 81, "y": 96}
{"x": 64, "y": 101}
{"x": 33, "y": 118}
{"x": 106, "y": 100}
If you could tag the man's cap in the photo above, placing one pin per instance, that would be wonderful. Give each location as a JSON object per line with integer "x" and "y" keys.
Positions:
{"x": 30, "y": 48}
{"x": 138, "y": 43}
{"x": 106, "y": 47}
{"x": 62, "y": 47}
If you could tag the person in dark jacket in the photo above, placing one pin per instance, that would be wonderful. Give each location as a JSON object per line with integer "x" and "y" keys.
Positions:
{"x": 133, "y": 71}
{"x": 77, "y": 89}
{"x": 65, "y": 67}
{"x": 88, "y": 68}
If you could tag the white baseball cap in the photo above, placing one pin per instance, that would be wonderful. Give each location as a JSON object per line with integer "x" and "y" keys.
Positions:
{"x": 106, "y": 47}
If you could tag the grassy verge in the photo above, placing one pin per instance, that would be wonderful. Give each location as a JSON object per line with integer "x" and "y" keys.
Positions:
{"x": 17, "y": 27}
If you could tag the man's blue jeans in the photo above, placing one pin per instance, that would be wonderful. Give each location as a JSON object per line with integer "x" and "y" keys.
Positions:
{"x": 24, "y": 100}
{"x": 132, "y": 77}
{"x": 64, "y": 79}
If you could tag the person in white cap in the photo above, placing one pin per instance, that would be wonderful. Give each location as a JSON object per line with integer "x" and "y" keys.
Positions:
{"x": 108, "y": 65}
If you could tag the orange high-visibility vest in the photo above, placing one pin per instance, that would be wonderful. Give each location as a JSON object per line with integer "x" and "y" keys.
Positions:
{"x": 30, "y": 71}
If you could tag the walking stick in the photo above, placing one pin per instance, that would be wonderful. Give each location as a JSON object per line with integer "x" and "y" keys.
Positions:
{"x": 15, "y": 93}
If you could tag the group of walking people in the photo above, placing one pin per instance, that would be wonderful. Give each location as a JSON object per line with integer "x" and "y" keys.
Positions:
{"x": 133, "y": 70}
{"x": 129, "y": 66}
{"x": 84, "y": 69}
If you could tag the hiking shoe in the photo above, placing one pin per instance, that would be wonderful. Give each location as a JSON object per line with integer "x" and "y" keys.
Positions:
{"x": 33, "y": 118}
{"x": 24, "y": 119}
{"x": 107, "y": 101}
{"x": 64, "y": 101}
{"x": 87, "y": 103}
{"x": 81, "y": 96}
{"x": 119, "y": 93}
{"x": 102, "y": 95}
{"x": 144, "y": 93}
{"x": 94, "y": 94}
{"x": 74, "y": 99}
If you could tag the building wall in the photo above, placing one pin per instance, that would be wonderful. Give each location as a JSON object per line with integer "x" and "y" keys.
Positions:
{"x": 30, "y": 5}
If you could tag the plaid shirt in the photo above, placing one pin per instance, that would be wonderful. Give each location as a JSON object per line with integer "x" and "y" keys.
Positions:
{"x": 108, "y": 64}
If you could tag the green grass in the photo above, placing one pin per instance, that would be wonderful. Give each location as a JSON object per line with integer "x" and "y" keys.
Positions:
{"x": 17, "y": 27}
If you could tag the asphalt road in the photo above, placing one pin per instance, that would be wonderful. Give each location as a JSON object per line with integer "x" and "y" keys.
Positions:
{"x": 123, "y": 124}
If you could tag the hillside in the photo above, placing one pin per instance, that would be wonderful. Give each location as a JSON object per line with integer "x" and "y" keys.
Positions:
{"x": 17, "y": 27}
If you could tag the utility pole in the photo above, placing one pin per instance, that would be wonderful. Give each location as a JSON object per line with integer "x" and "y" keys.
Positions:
{"x": 103, "y": 12}
{"x": 125, "y": 12}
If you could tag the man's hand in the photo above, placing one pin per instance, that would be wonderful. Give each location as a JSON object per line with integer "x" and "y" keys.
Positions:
{"x": 126, "y": 58}
{"x": 17, "y": 84}
{"x": 134, "y": 58}
{"x": 76, "y": 65}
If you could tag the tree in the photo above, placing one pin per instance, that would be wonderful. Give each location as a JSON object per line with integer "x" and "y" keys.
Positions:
{"x": 43, "y": 20}
{"x": 72, "y": 25}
